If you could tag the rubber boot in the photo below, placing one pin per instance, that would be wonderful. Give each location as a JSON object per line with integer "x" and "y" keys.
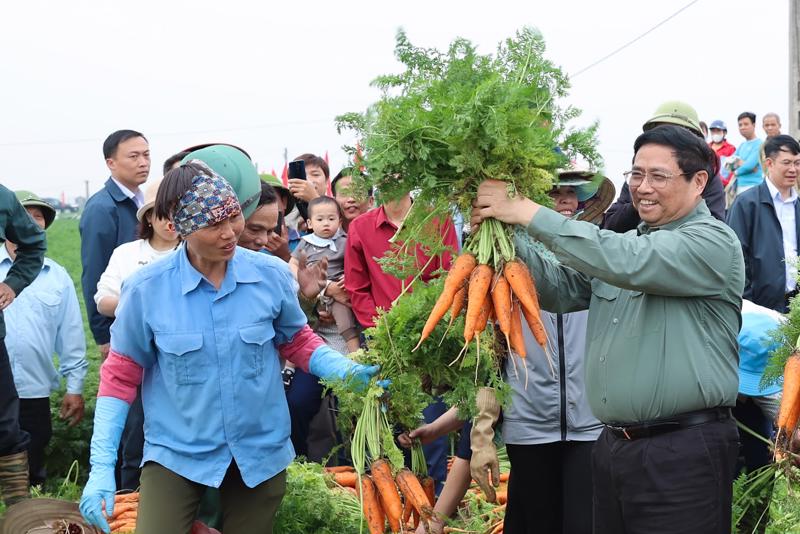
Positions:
{"x": 14, "y": 477}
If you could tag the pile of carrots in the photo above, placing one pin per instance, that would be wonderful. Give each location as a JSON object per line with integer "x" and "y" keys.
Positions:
{"x": 401, "y": 499}
{"x": 503, "y": 297}
{"x": 126, "y": 510}
{"x": 789, "y": 413}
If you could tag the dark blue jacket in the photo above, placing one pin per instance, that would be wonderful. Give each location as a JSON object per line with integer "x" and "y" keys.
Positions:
{"x": 752, "y": 216}
{"x": 108, "y": 220}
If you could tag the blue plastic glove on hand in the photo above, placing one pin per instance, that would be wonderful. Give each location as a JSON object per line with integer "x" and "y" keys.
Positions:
{"x": 110, "y": 414}
{"x": 327, "y": 363}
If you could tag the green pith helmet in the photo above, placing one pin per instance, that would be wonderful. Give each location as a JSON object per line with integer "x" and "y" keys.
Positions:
{"x": 675, "y": 112}
{"x": 26, "y": 198}
{"x": 232, "y": 164}
{"x": 275, "y": 182}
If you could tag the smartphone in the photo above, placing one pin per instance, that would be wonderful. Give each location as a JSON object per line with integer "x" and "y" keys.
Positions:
{"x": 297, "y": 170}
{"x": 279, "y": 226}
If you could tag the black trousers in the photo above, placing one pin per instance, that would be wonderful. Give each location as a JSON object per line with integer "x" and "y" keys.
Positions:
{"x": 550, "y": 488}
{"x": 679, "y": 482}
{"x": 34, "y": 418}
{"x": 12, "y": 438}
{"x": 131, "y": 446}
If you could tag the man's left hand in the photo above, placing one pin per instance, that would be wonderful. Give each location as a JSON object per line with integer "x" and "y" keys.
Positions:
{"x": 72, "y": 408}
{"x": 7, "y": 295}
{"x": 493, "y": 200}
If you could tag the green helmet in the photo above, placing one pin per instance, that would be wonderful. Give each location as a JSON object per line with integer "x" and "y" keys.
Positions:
{"x": 675, "y": 112}
{"x": 26, "y": 198}
{"x": 235, "y": 166}
{"x": 281, "y": 189}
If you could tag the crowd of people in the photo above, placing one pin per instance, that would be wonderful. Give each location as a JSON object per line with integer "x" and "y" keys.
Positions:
{"x": 219, "y": 298}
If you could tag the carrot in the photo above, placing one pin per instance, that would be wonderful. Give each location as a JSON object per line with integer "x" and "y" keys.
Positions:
{"x": 126, "y": 497}
{"x": 340, "y": 469}
{"x": 413, "y": 492}
{"x": 505, "y": 476}
{"x": 348, "y": 479}
{"x": 521, "y": 282}
{"x": 516, "y": 338}
{"x": 132, "y": 514}
{"x": 483, "y": 319}
{"x": 124, "y": 525}
{"x": 122, "y": 507}
{"x": 429, "y": 486}
{"x": 390, "y": 498}
{"x": 502, "y": 497}
{"x": 458, "y": 304}
{"x": 373, "y": 512}
{"x": 455, "y": 280}
{"x": 790, "y": 400}
{"x": 479, "y": 283}
{"x": 534, "y": 321}
{"x": 407, "y": 509}
{"x": 501, "y": 298}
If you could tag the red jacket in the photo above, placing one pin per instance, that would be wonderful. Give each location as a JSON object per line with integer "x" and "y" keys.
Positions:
{"x": 369, "y": 287}
{"x": 725, "y": 150}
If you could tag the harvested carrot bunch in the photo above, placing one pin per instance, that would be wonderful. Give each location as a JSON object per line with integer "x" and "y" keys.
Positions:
{"x": 126, "y": 511}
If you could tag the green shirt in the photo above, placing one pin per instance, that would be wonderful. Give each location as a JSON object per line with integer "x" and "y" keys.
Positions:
{"x": 664, "y": 310}
{"x": 17, "y": 226}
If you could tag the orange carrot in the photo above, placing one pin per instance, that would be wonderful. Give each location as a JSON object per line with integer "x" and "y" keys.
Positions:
{"x": 534, "y": 321}
{"x": 505, "y": 476}
{"x": 521, "y": 282}
{"x": 516, "y": 338}
{"x": 372, "y": 506}
{"x": 340, "y": 469}
{"x": 390, "y": 497}
{"x": 455, "y": 280}
{"x": 407, "y": 509}
{"x": 790, "y": 400}
{"x": 122, "y": 507}
{"x": 501, "y": 298}
{"x": 458, "y": 304}
{"x": 429, "y": 486}
{"x": 413, "y": 492}
{"x": 479, "y": 283}
{"x": 126, "y": 497}
{"x": 483, "y": 319}
{"x": 502, "y": 497}
{"x": 347, "y": 479}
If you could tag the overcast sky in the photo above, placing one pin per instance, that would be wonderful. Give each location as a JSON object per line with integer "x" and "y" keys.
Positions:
{"x": 268, "y": 75}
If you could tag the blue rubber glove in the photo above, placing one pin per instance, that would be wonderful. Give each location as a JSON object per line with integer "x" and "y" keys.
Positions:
{"x": 327, "y": 363}
{"x": 110, "y": 414}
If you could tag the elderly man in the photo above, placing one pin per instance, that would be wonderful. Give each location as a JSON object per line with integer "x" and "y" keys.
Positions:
{"x": 664, "y": 307}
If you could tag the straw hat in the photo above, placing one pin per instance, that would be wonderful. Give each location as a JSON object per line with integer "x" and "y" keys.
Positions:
{"x": 43, "y": 516}
{"x": 595, "y": 191}
{"x": 149, "y": 198}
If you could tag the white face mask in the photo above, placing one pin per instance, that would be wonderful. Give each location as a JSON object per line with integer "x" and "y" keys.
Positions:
{"x": 717, "y": 138}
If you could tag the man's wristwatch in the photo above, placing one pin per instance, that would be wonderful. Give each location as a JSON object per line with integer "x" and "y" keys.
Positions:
{"x": 287, "y": 374}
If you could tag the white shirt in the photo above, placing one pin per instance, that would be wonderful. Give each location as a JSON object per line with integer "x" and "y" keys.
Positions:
{"x": 126, "y": 260}
{"x": 784, "y": 209}
{"x": 137, "y": 197}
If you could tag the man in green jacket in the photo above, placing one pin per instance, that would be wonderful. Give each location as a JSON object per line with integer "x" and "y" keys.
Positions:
{"x": 664, "y": 305}
{"x": 18, "y": 227}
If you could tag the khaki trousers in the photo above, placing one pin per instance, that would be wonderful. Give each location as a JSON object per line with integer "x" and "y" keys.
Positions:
{"x": 168, "y": 502}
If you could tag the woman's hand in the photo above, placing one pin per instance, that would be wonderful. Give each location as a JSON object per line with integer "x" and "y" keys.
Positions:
{"x": 493, "y": 201}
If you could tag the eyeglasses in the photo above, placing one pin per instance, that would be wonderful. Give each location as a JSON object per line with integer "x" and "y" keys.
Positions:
{"x": 789, "y": 163}
{"x": 657, "y": 179}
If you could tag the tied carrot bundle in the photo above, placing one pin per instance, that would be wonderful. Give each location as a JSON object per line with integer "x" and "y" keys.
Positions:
{"x": 373, "y": 512}
{"x": 387, "y": 491}
{"x": 456, "y": 278}
{"x": 413, "y": 492}
{"x": 790, "y": 403}
{"x": 479, "y": 284}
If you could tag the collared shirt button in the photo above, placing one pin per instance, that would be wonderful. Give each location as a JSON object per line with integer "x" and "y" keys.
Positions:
{"x": 603, "y": 399}
{"x": 602, "y": 359}
{"x": 615, "y": 320}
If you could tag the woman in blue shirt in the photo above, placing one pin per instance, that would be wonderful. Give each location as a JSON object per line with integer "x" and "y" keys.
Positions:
{"x": 202, "y": 332}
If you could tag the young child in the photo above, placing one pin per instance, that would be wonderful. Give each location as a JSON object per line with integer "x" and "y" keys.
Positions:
{"x": 327, "y": 240}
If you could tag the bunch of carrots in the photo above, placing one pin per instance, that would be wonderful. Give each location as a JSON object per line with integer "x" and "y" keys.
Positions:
{"x": 126, "y": 510}
{"x": 401, "y": 499}
{"x": 789, "y": 413}
{"x": 494, "y": 287}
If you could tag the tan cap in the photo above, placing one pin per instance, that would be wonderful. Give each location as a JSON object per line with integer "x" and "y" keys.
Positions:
{"x": 149, "y": 198}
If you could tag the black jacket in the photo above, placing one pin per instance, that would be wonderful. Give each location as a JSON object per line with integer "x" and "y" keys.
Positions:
{"x": 752, "y": 216}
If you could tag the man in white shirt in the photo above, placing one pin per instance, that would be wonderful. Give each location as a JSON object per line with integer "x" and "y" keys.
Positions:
{"x": 766, "y": 220}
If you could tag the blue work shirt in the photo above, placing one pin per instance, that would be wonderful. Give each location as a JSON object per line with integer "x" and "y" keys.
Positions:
{"x": 212, "y": 388}
{"x": 43, "y": 320}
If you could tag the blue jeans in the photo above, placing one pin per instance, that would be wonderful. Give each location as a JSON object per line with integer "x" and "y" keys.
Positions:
{"x": 304, "y": 397}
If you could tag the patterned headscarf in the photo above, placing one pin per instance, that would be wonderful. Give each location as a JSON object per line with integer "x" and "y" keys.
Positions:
{"x": 209, "y": 200}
